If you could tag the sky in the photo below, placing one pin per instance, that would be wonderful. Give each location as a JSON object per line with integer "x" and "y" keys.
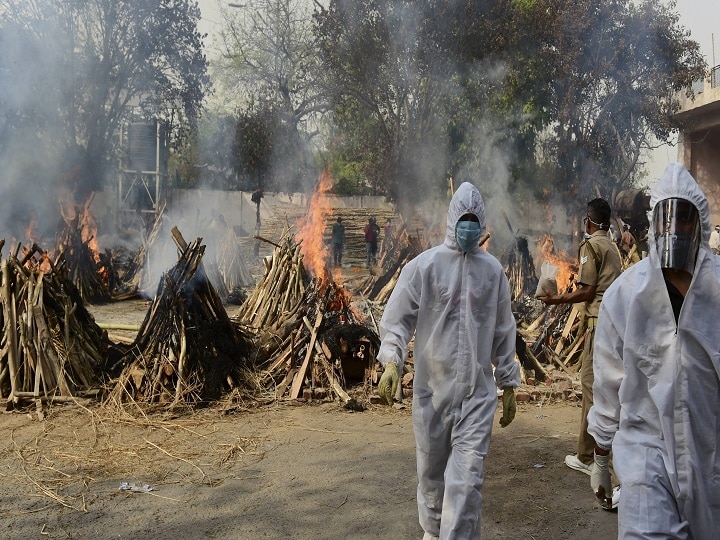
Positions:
{"x": 699, "y": 16}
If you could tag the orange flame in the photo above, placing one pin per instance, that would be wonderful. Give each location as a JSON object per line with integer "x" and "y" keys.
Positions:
{"x": 312, "y": 228}
{"x": 86, "y": 223}
{"x": 31, "y": 231}
{"x": 566, "y": 264}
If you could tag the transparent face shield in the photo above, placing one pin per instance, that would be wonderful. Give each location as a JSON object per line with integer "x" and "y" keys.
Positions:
{"x": 677, "y": 233}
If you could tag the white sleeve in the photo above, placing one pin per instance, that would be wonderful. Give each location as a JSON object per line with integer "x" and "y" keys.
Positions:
{"x": 399, "y": 319}
{"x": 604, "y": 415}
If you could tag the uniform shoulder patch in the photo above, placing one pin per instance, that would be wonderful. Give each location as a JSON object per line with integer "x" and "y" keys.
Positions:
{"x": 583, "y": 260}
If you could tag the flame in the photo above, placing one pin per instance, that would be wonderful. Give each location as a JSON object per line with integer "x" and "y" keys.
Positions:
{"x": 85, "y": 222}
{"x": 312, "y": 228}
{"x": 566, "y": 264}
{"x": 31, "y": 231}
{"x": 88, "y": 226}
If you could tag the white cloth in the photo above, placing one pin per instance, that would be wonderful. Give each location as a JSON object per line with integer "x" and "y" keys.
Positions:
{"x": 458, "y": 306}
{"x": 657, "y": 388}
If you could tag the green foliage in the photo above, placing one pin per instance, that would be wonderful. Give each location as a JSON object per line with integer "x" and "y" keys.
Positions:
{"x": 349, "y": 178}
{"x": 570, "y": 91}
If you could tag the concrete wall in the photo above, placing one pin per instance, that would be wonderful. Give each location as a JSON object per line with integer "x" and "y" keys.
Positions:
{"x": 699, "y": 145}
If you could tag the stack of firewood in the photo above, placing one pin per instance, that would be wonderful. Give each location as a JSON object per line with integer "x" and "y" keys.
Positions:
{"x": 309, "y": 341}
{"x": 131, "y": 279}
{"x": 279, "y": 291}
{"x": 51, "y": 346}
{"x": 89, "y": 272}
{"x": 394, "y": 254}
{"x": 554, "y": 338}
{"x": 230, "y": 261}
{"x": 520, "y": 269}
{"x": 187, "y": 351}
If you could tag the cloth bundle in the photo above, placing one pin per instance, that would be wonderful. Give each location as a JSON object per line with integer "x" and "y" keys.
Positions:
{"x": 547, "y": 283}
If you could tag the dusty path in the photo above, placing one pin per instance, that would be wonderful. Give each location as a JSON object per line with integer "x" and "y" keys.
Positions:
{"x": 309, "y": 471}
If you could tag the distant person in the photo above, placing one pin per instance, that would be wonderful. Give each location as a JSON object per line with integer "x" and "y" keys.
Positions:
{"x": 657, "y": 375}
{"x": 629, "y": 247}
{"x": 388, "y": 234}
{"x": 627, "y": 240}
{"x": 599, "y": 266}
{"x": 371, "y": 237}
{"x": 715, "y": 240}
{"x": 455, "y": 300}
{"x": 257, "y": 197}
{"x": 389, "y": 229}
{"x": 338, "y": 241}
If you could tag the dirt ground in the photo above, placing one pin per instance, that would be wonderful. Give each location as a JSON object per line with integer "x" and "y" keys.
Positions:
{"x": 300, "y": 470}
{"x": 290, "y": 470}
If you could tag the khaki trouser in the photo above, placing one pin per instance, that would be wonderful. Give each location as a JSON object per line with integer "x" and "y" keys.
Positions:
{"x": 586, "y": 442}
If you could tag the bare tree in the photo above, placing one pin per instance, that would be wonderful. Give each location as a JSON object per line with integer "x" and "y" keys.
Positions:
{"x": 270, "y": 64}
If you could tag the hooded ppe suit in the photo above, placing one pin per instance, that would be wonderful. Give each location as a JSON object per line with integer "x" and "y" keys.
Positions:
{"x": 458, "y": 306}
{"x": 657, "y": 393}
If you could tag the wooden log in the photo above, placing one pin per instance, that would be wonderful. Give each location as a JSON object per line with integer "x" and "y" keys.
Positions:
{"x": 568, "y": 325}
{"x": 114, "y": 326}
{"x": 538, "y": 366}
{"x": 8, "y": 304}
{"x": 552, "y": 356}
{"x": 334, "y": 383}
{"x": 297, "y": 383}
{"x": 46, "y": 343}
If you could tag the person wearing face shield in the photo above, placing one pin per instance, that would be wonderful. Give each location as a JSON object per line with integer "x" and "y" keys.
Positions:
{"x": 715, "y": 240}
{"x": 455, "y": 299}
{"x": 600, "y": 265}
{"x": 657, "y": 373}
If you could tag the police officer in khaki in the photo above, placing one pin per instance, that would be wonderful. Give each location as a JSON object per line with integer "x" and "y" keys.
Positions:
{"x": 599, "y": 266}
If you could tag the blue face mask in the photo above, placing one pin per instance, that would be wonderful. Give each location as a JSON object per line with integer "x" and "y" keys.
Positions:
{"x": 467, "y": 235}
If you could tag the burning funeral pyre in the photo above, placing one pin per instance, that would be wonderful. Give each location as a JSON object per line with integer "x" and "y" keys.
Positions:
{"x": 550, "y": 338}
{"x": 310, "y": 341}
{"x": 89, "y": 270}
{"x": 51, "y": 347}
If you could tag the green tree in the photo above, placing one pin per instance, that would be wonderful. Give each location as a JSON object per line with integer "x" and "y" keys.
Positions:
{"x": 406, "y": 84}
{"x": 600, "y": 82}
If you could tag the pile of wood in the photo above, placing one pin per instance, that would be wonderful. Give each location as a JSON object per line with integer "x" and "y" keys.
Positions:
{"x": 279, "y": 291}
{"x": 131, "y": 279}
{"x": 52, "y": 349}
{"x": 520, "y": 269}
{"x": 309, "y": 341}
{"x": 394, "y": 254}
{"x": 554, "y": 339}
{"x": 230, "y": 262}
{"x": 187, "y": 351}
{"x": 88, "y": 270}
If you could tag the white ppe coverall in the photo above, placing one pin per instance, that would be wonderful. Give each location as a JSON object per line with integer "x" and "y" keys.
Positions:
{"x": 657, "y": 389}
{"x": 458, "y": 306}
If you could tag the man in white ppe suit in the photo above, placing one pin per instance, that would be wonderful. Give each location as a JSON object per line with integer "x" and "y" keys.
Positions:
{"x": 657, "y": 369}
{"x": 456, "y": 299}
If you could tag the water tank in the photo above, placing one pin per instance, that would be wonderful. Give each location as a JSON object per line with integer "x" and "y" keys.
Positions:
{"x": 142, "y": 146}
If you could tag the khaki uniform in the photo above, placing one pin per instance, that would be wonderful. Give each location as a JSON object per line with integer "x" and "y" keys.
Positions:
{"x": 599, "y": 266}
